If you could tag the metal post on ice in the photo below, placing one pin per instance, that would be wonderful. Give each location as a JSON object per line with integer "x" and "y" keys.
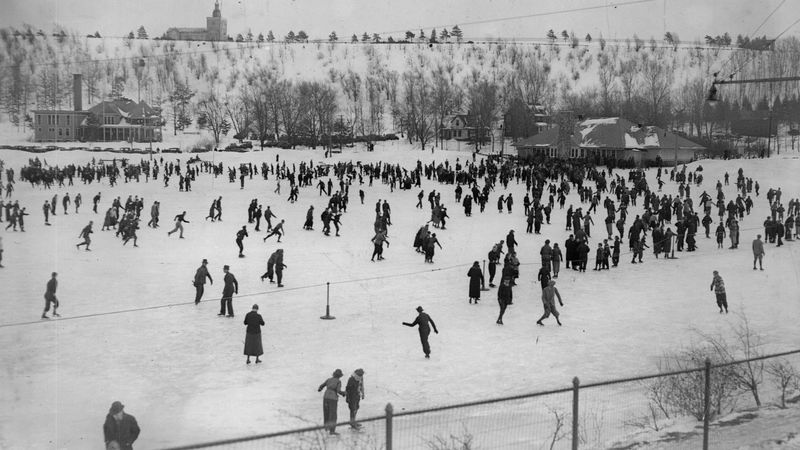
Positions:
{"x": 328, "y": 315}
{"x": 483, "y": 285}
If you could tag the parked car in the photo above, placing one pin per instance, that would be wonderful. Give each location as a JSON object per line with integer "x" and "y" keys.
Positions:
{"x": 137, "y": 150}
{"x": 171, "y": 150}
{"x": 246, "y": 144}
{"x": 125, "y": 149}
{"x": 97, "y": 149}
{"x": 109, "y": 149}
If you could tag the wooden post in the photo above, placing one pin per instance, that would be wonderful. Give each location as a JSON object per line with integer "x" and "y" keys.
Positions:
{"x": 706, "y": 403}
{"x": 575, "y": 387}
{"x": 389, "y": 414}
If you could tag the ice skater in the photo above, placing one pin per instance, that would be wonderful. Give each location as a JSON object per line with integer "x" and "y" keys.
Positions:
{"x": 277, "y": 231}
{"x": 87, "y": 230}
{"x": 475, "y": 282}
{"x": 548, "y": 299}
{"x": 330, "y": 399}
{"x": 718, "y": 286}
{"x": 354, "y": 393}
{"x": 425, "y": 323}
{"x": 180, "y": 219}
{"x": 240, "y": 235}
{"x": 50, "y": 297}
{"x": 200, "y": 280}
{"x": 231, "y": 287}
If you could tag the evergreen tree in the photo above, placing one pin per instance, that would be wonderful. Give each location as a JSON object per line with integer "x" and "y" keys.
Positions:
{"x": 588, "y": 37}
{"x": 302, "y": 36}
{"x": 422, "y": 36}
{"x": 409, "y": 36}
{"x": 564, "y": 35}
{"x": 130, "y": 35}
{"x": 354, "y": 39}
{"x": 551, "y": 35}
{"x": 97, "y": 34}
{"x": 376, "y": 38}
{"x": 444, "y": 36}
{"x": 239, "y": 38}
{"x": 290, "y": 37}
{"x": 249, "y": 36}
{"x": 365, "y": 37}
{"x": 390, "y": 40}
{"x": 270, "y": 36}
{"x": 141, "y": 33}
{"x": 456, "y": 33}
{"x": 433, "y": 36}
{"x": 260, "y": 38}
{"x": 332, "y": 37}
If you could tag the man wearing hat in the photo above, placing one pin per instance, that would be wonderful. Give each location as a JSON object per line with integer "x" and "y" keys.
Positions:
{"x": 425, "y": 323}
{"x": 231, "y": 287}
{"x": 120, "y": 429}
{"x": 200, "y": 280}
{"x": 354, "y": 394}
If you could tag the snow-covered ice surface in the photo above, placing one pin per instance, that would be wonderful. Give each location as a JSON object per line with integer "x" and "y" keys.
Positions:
{"x": 180, "y": 370}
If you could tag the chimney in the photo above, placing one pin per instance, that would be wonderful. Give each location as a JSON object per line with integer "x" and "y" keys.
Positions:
{"x": 77, "y": 100}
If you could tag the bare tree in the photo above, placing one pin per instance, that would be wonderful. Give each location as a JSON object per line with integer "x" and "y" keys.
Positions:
{"x": 785, "y": 377}
{"x": 240, "y": 115}
{"x": 608, "y": 85}
{"x": 445, "y": 95}
{"x": 657, "y": 77}
{"x": 483, "y": 108}
{"x": 214, "y": 115}
{"x": 418, "y": 106}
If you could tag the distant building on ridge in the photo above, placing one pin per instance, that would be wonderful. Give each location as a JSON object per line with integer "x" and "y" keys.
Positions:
{"x": 216, "y": 29}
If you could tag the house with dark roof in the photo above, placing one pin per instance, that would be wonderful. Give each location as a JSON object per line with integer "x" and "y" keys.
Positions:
{"x": 612, "y": 137}
{"x": 461, "y": 127}
{"x": 112, "y": 120}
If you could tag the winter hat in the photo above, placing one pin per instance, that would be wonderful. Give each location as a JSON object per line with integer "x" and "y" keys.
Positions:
{"x": 360, "y": 372}
{"x": 205, "y": 261}
{"x": 419, "y": 308}
{"x": 255, "y": 307}
{"x": 338, "y": 373}
{"x": 226, "y": 267}
{"x": 116, "y": 407}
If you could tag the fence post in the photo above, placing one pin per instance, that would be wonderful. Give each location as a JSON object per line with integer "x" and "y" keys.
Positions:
{"x": 327, "y": 315}
{"x": 483, "y": 285}
{"x": 706, "y": 403}
{"x": 389, "y": 414}
{"x": 575, "y": 387}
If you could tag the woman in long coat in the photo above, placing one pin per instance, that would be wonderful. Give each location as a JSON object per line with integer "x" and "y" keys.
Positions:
{"x": 475, "y": 282}
{"x": 252, "y": 340}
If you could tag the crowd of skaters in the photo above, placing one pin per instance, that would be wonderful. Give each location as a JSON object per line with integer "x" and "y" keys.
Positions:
{"x": 546, "y": 185}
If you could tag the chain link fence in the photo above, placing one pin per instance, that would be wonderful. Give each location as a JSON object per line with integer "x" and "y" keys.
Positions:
{"x": 692, "y": 402}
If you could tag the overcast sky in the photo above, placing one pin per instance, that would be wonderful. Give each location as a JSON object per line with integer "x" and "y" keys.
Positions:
{"x": 690, "y": 19}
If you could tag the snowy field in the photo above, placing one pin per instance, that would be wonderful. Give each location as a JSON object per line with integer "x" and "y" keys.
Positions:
{"x": 130, "y": 331}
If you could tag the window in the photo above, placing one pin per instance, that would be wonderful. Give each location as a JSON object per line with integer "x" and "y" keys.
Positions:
{"x": 59, "y": 131}
{"x": 39, "y": 120}
{"x": 66, "y": 131}
{"x": 39, "y": 130}
{"x": 69, "y": 119}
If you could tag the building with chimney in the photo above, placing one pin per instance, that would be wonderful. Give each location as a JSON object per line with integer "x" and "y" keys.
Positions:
{"x": 120, "y": 119}
{"x": 216, "y": 29}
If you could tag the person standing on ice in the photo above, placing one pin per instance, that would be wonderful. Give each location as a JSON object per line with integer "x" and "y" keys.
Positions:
{"x": 505, "y": 293}
{"x": 50, "y": 297}
{"x": 180, "y": 219}
{"x": 87, "y": 230}
{"x": 510, "y": 241}
{"x": 200, "y": 281}
{"x": 120, "y": 430}
{"x": 231, "y": 287}
{"x": 758, "y": 252}
{"x": 330, "y": 399}
{"x": 548, "y": 299}
{"x": 354, "y": 393}
{"x": 475, "y": 282}
{"x": 425, "y": 324}
{"x": 240, "y": 235}
{"x": 718, "y": 286}
{"x": 252, "y": 339}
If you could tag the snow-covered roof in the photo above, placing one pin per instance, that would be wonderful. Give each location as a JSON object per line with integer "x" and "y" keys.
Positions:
{"x": 613, "y": 132}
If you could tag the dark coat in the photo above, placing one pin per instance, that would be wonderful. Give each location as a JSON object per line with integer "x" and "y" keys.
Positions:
{"x": 125, "y": 432}
{"x": 353, "y": 392}
{"x": 231, "y": 285}
{"x": 201, "y": 275}
{"x": 475, "y": 281}
{"x": 252, "y": 339}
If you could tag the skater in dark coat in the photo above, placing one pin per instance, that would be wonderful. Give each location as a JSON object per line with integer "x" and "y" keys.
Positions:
{"x": 511, "y": 243}
{"x": 556, "y": 260}
{"x": 231, "y": 287}
{"x": 200, "y": 280}
{"x": 354, "y": 393}
{"x": 330, "y": 400}
{"x": 240, "y": 235}
{"x": 309, "y": 224}
{"x": 475, "y": 282}
{"x": 120, "y": 428}
{"x": 50, "y": 297}
{"x": 87, "y": 230}
{"x": 425, "y": 323}
{"x": 252, "y": 339}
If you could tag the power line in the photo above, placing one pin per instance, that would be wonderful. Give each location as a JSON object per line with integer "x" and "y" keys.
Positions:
{"x": 526, "y": 16}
